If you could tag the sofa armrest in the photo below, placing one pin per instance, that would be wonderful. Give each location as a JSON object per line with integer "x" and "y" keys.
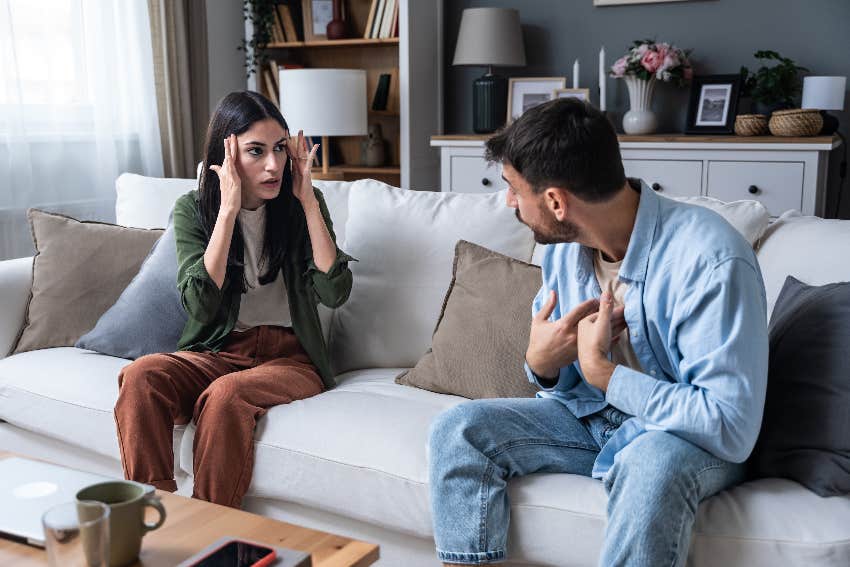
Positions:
{"x": 15, "y": 283}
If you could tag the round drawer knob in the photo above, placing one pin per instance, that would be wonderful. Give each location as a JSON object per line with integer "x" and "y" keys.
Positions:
{"x": 485, "y": 182}
{"x": 656, "y": 186}
{"x": 753, "y": 190}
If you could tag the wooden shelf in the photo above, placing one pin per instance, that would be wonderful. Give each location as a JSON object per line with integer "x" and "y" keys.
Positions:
{"x": 335, "y": 43}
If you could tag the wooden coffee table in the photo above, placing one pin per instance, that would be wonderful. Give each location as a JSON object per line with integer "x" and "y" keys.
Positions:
{"x": 193, "y": 524}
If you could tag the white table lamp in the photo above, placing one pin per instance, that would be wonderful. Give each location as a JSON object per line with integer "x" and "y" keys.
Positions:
{"x": 825, "y": 93}
{"x": 324, "y": 102}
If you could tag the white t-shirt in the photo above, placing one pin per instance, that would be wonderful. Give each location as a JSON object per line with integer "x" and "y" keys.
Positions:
{"x": 607, "y": 273}
{"x": 261, "y": 304}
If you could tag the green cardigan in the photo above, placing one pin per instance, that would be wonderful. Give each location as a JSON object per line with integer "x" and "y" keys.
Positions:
{"x": 213, "y": 312}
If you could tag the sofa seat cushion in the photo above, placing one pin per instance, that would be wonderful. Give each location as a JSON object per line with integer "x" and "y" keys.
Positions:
{"x": 66, "y": 394}
{"x": 358, "y": 450}
{"x": 768, "y": 522}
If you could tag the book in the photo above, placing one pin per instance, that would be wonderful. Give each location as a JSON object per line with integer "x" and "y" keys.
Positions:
{"x": 393, "y": 103}
{"x": 277, "y": 31}
{"x": 376, "y": 24}
{"x": 394, "y": 30}
{"x": 372, "y": 9}
{"x": 285, "y": 14}
{"x": 386, "y": 20}
{"x": 274, "y": 71}
{"x": 382, "y": 91}
{"x": 279, "y": 25}
{"x": 269, "y": 86}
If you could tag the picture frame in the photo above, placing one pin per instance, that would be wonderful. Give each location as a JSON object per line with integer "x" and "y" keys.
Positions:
{"x": 316, "y": 15}
{"x": 581, "y": 94}
{"x": 713, "y": 104}
{"x": 526, "y": 92}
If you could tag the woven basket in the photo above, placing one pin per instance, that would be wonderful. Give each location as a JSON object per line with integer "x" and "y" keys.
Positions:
{"x": 796, "y": 122}
{"x": 751, "y": 125}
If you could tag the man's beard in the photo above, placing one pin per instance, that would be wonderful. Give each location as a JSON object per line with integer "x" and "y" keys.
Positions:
{"x": 551, "y": 230}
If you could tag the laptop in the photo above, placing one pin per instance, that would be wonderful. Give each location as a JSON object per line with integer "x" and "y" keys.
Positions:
{"x": 29, "y": 488}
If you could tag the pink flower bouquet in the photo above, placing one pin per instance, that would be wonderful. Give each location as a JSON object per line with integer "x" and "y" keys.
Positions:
{"x": 647, "y": 59}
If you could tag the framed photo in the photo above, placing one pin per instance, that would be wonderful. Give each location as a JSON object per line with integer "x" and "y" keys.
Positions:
{"x": 317, "y": 16}
{"x": 713, "y": 104}
{"x": 581, "y": 94}
{"x": 526, "y": 92}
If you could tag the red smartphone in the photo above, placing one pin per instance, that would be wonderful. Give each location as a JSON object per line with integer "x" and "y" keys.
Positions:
{"x": 236, "y": 553}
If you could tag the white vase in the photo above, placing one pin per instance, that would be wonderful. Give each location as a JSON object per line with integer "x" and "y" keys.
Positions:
{"x": 640, "y": 119}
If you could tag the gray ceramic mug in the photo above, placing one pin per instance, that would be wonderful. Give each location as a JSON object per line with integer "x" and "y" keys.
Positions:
{"x": 127, "y": 501}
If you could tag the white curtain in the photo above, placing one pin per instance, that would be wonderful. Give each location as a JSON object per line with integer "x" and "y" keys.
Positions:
{"x": 77, "y": 108}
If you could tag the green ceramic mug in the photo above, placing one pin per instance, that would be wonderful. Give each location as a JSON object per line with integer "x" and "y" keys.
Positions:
{"x": 127, "y": 501}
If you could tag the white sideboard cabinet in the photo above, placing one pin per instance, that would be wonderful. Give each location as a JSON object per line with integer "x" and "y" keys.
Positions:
{"x": 781, "y": 173}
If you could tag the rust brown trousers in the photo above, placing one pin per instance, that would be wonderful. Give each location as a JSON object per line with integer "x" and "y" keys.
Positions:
{"x": 224, "y": 393}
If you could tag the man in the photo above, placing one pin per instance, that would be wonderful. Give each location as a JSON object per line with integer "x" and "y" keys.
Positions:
{"x": 648, "y": 340}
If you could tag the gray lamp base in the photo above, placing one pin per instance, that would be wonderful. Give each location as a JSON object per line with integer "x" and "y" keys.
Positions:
{"x": 489, "y": 103}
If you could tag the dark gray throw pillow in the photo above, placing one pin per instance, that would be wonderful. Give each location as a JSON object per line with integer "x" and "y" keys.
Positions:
{"x": 148, "y": 316}
{"x": 804, "y": 433}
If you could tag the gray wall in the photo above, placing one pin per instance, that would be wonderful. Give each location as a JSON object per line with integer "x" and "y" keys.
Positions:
{"x": 722, "y": 33}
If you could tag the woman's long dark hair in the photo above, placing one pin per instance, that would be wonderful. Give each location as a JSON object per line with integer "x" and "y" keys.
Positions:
{"x": 234, "y": 115}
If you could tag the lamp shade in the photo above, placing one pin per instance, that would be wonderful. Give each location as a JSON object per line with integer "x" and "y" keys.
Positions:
{"x": 824, "y": 93}
{"x": 324, "y": 102}
{"x": 490, "y": 37}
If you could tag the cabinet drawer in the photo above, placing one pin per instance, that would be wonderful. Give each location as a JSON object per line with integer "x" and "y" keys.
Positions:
{"x": 673, "y": 178}
{"x": 777, "y": 185}
{"x": 473, "y": 175}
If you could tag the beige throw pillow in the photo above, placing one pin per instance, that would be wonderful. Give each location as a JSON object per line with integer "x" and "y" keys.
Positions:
{"x": 79, "y": 270}
{"x": 478, "y": 347}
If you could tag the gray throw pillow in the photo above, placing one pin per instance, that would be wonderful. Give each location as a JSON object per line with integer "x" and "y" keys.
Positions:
{"x": 79, "y": 270}
{"x": 804, "y": 433}
{"x": 148, "y": 316}
{"x": 478, "y": 347}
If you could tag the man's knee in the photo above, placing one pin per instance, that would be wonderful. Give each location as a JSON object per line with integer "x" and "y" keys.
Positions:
{"x": 469, "y": 423}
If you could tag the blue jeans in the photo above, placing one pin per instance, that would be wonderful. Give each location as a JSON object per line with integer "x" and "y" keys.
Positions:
{"x": 654, "y": 487}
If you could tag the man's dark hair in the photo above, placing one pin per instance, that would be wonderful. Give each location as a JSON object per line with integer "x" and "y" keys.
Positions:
{"x": 562, "y": 143}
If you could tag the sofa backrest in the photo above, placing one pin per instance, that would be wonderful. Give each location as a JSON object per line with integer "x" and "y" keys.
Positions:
{"x": 404, "y": 242}
{"x": 816, "y": 251}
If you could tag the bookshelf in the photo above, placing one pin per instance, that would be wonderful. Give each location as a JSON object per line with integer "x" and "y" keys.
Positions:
{"x": 414, "y": 106}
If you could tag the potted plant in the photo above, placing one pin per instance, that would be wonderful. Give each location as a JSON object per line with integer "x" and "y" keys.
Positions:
{"x": 772, "y": 88}
{"x": 260, "y": 13}
{"x": 645, "y": 63}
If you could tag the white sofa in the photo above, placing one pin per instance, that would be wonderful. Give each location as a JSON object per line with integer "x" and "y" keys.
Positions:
{"x": 353, "y": 460}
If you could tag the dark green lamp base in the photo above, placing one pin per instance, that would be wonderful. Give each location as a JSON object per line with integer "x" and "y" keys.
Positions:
{"x": 489, "y": 103}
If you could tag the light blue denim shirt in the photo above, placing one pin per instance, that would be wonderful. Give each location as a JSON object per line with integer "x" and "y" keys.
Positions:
{"x": 697, "y": 317}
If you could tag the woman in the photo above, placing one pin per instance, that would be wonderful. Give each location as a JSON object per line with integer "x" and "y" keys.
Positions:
{"x": 256, "y": 252}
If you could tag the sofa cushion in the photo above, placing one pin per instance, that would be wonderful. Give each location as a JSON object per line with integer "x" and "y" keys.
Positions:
{"x": 807, "y": 414}
{"x": 79, "y": 270}
{"x": 404, "y": 241}
{"x": 66, "y": 394}
{"x": 146, "y": 202}
{"x": 812, "y": 249}
{"x": 148, "y": 316}
{"x": 482, "y": 332}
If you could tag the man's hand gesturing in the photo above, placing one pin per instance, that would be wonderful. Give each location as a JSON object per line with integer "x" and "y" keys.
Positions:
{"x": 553, "y": 344}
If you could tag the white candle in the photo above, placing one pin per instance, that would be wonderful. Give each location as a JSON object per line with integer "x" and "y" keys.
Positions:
{"x": 575, "y": 74}
{"x": 602, "y": 79}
